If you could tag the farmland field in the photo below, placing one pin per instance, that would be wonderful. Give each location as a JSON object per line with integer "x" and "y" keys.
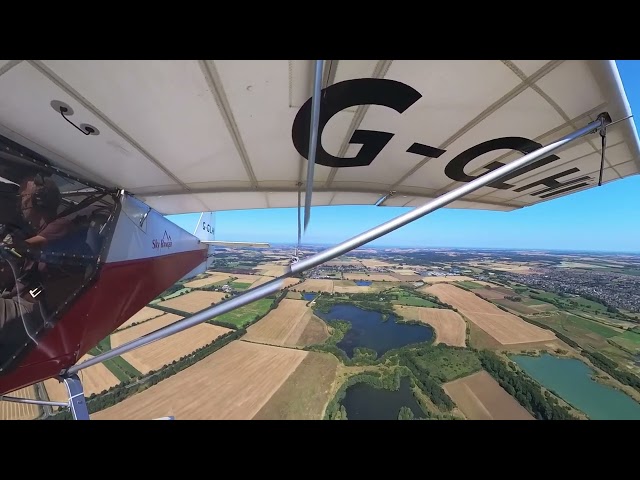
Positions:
{"x": 449, "y": 278}
{"x": 20, "y": 411}
{"x": 372, "y": 263}
{"x": 494, "y": 293}
{"x": 193, "y": 302}
{"x": 449, "y": 326}
{"x": 94, "y": 379}
{"x": 246, "y": 314}
{"x": 147, "y": 313}
{"x": 305, "y": 394}
{"x": 282, "y": 326}
{"x": 209, "y": 280}
{"x": 504, "y": 327}
{"x": 349, "y": 286}
{"x": 480, "y": 397}
{"x": 377, "y": 277}
{"x": 236, "y": 381}
{"x": 315, "y": 286}
{"x": 162, "y": 352}
{"x": 517, "y": 306}
{"x": 406, "y": 298}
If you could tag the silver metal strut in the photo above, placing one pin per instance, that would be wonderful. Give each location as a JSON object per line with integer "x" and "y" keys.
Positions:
{"x": 274, "y": 285}
{"x": 32, "y": 401}
{"x": 313, "y": 139}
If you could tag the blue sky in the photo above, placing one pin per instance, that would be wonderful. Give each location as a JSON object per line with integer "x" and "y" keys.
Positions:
{"x": 600, "y": 219}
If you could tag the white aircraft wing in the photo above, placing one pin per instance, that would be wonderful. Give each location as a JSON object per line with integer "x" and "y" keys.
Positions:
{"x": 192, "y": 136}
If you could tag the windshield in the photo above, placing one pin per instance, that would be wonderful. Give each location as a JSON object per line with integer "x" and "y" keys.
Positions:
{"x": 52, "y": 233}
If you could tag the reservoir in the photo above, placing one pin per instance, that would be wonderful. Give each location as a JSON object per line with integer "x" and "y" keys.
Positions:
{"x": 369, "y": 330}
{"x": 364, "y": 402}
{"x": 309, "y": 296}
{"x": 363, "y": 283}
{"x": 571, "y": 380}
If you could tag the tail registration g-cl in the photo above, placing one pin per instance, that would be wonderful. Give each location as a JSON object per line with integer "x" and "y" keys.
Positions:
{"x": 93, "y": 154}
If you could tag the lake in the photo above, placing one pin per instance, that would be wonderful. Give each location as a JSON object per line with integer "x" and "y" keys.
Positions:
{"x": 363, "y": 283}
{"x": 571, "y": 380}
{"x": 370, "y": 331}
{"x": 364, "y": 402}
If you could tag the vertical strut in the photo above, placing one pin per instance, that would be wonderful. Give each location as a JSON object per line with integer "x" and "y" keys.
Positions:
{"x": 313, "y": 139}
{"x": 77, "y": 402}
{"x": 276, "y": 284}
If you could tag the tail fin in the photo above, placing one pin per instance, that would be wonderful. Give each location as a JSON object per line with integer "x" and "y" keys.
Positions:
{"x": 206, "y": 227}
{"x": 206, "y": 231}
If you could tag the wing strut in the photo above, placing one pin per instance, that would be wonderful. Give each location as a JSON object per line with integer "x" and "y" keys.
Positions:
{"x": 278, "y": 283}
{"x": 313, "y": 139}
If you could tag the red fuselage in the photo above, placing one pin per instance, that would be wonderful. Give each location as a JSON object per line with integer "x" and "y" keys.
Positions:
{"x": 138, "y": 263}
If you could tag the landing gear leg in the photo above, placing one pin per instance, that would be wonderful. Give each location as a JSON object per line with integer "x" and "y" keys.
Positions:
{"x": 77, "y": 402}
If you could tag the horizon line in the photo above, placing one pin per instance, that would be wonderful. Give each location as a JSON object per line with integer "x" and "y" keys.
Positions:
{"x": 508, "y": 249}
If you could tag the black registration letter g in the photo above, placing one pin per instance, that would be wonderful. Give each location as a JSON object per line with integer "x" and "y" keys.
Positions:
{"x": 337, "y": 97}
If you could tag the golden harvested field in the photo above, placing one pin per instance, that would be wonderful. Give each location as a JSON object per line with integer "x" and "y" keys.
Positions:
{"x": 449, "y": 326}
{"x": 404, "y": 277}
{"x": 508, "y": 267}
{"x": 233, "y": 383}
{"x": 502, "y": 326}
{"x": 272, "y": 272}
{"x": 210, "y": 279}
{"x": 287, "y": 282}
{"x": 282, "y": 326}
{"x": 315, "y": 286}
{"x": 193, "y": 301}
{"x": 165, "y": 351}
{"x": 315, "y": 332}
{"x": 244, "y": 278}
{"x": 94, "y": 379}
{"x": 373, "y": 277}
{"x": 351, "y": 289}
{"x": 147, "y": 313}
{"x": 305, "y": 394}
{"x": 20, "y": 411}
{"x": 403, "y": 271}
{"x": 448, "y": 278}
{"x": 349, "y": 286}
{"x": 492, "y": 293}
{"x": 370, "y": 263}
{"x": 480, "y": 397}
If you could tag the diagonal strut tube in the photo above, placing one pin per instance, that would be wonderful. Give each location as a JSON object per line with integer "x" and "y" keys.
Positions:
{"x": 274, "y": 285}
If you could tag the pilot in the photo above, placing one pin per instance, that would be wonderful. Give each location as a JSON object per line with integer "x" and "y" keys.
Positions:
{"x": 39, "y": 199}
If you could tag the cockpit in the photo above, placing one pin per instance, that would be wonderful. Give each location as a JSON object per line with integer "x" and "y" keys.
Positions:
{"x": 53, "y": 234}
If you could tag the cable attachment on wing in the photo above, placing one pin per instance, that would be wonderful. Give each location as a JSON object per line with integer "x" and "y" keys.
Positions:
{"x": 606, "y": 119}
{"x": 66, "y": 111}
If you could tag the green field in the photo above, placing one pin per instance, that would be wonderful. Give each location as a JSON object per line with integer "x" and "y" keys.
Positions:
{"x": 586, "y": 333}
{"x": 243, "y": 315}
{"x": 176, "y": 294}
{"x": 445, "y": 363}
{"x": 239, "y": 285}
{"x": 402, "y": 297}
{"x": 629, "y": 341}
{"x": 122, "y": 369}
